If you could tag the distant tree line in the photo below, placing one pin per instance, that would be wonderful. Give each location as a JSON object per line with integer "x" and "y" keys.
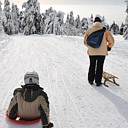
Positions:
{"x": 31, "y": 21}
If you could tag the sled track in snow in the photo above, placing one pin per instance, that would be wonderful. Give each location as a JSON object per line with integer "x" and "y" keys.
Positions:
{"x": 58, "y": 91}
{"x": 58, "y": 121}
{"x": 59, "y": 124}
{"x": 69, "y": 95}
{"x": 54, "y": 107}
{"x": 43, "y": 56}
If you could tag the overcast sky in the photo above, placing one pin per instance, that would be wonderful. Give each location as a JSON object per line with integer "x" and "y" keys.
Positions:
{"x": 110, "y": 2}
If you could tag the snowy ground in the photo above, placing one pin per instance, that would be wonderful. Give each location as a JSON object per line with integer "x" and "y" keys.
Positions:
{"x": 62, "y": 64}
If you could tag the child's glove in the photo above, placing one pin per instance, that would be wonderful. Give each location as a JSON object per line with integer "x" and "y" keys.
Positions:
{"x": 108, "y": 48}
{"x": 50, "y": 125}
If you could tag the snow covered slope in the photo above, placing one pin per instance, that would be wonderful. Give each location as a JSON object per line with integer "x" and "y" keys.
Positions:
{"x": 62, "y": 64}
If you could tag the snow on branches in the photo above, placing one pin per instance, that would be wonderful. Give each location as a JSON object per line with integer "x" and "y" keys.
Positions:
{"x": 1, "y": 27}
{"x": 31, "y": 21}
{"x": 125, "y": 29}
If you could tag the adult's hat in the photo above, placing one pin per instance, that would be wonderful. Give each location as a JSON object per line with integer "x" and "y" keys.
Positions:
{"x": 97, "y": 19}
{"x": 31, "y": 78}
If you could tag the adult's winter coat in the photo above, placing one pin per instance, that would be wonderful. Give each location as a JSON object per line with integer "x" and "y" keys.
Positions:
{"x": 107, "y": 40}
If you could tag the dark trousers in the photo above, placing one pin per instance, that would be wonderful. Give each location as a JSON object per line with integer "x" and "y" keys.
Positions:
{"x": 96, "y": 68}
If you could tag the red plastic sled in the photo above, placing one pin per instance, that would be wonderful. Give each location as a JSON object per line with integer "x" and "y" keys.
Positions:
{"x": 22, "y": 121}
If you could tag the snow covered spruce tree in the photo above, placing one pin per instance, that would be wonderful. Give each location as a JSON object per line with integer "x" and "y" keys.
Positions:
{"x": 7, "y": 21}
{"x": 114, "y": 28}
{"x": 69, "y": 27}
{"x": 1, "y": 26}
{"x": 77, "y": 24}
{"x": 90, "y": 21}
{"x": 125, "y": 31}
{"x": 59, "y": 22}
{"x": 21, "y": 22}
{"x": 84, "y": 25}
{"x": 104, "y": 22}
{"x": 15, "y": 19}
{"x": 71, "y": 18}
{"x": 121, "y": 29}
{"x": 3, "y": 36}
{"x": 31, "y": 22}
{"x": 10, "y": 20}
{"x": 67, "y": 19}
{"x": 47, "y": 22}
{"x": 53, "y": 21}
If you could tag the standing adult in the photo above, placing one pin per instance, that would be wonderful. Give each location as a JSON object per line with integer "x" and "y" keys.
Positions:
{"x": 97, "y": 55}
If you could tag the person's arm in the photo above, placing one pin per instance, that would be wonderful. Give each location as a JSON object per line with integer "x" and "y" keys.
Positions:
{"x": 85, "y": 38}
{"x": 110, "y": 40}
{"x": 13, "y": 107}
{"x": 44, "y": 110}
{"x": 45, "y": 97}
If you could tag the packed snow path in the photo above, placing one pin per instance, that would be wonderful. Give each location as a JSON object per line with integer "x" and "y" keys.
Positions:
{"x": 62, "y": 64}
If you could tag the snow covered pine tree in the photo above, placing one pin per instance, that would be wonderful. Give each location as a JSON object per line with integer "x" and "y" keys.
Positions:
{"x": 15, "y": 19}
{"x": 90, "y": 23}
{"x": 31, "y": 21}
{"x": 53, "y": 22}
{"x": 84, "y": 25}
{"x": 114, "y": 28}
{"x": 125, "y": 33}
{"x": 1, "y": 27}
{"x": 69, "y": 28}
{"x": 7, "y": 23}
{"x": 121, "y": 29}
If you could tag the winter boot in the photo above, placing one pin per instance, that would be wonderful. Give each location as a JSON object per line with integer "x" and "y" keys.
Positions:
{"x": 98, "y": 84}
{"x": 50, "y": 125}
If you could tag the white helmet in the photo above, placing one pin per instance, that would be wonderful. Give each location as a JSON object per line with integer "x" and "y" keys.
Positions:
{"x": 31, "y": 78}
